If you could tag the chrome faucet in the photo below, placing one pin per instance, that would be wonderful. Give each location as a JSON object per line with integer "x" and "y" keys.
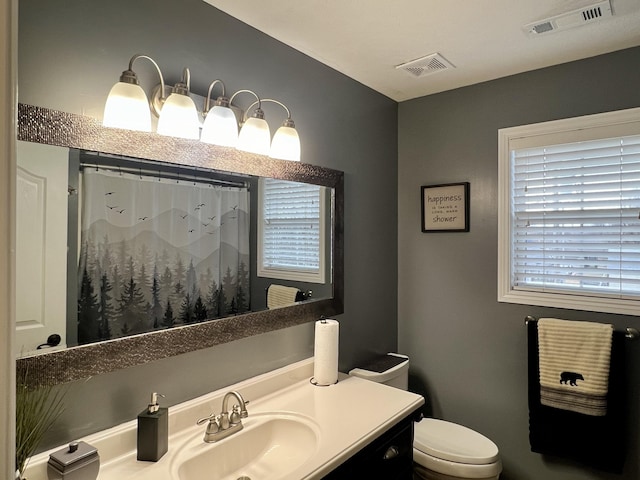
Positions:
{"x": 226, "y": 423}
{"x": 239, "y": 411}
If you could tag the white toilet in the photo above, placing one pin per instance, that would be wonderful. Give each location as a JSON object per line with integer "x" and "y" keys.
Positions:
{"x": 441, "y": 450}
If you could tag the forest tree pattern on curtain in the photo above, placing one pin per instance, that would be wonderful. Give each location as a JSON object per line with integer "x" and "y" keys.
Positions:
{"x": 155, "y": 253}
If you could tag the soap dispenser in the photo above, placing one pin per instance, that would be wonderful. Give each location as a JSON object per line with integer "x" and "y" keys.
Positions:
{"x": 153, "y": 431}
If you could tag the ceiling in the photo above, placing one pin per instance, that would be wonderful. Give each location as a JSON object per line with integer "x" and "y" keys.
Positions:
{"x": 482, "y": 39}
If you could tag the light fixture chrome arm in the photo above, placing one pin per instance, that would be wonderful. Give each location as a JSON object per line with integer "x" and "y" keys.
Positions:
{"x": 183, "y": 87}
{"x": 273, "y": 101}
{"x": 221, "y": 101}
{"x": 129, "y": 76}
{"x": 159, "y": 95}
{"x": 288, "y": 121}
{"x": 258, "y": 112}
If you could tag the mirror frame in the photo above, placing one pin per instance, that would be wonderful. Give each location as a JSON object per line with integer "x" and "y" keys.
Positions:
{"x": 52, "y": 127}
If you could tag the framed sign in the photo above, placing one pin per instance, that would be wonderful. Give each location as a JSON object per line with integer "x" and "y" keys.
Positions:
{"x": 445, "y": 208}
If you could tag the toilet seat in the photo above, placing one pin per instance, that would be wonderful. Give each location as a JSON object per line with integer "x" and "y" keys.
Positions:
{"x": 453, "y": 442}
{"x": 455, "y": 450}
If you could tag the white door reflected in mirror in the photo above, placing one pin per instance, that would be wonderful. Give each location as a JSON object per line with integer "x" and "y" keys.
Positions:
{"x": 41, "y": 245}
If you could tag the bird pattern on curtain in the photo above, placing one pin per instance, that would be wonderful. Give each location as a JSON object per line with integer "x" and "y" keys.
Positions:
{"x": 157, "y": 252}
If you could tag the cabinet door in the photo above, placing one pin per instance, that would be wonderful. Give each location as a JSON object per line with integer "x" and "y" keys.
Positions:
{"x": 393, "y": 458}
{"x": 389, "y": 457}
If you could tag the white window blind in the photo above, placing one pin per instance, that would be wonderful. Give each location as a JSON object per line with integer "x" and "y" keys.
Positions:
{"x": 576, "y": 224}
{"x": 568, "y": 213}
{"x": 291, "y": 231}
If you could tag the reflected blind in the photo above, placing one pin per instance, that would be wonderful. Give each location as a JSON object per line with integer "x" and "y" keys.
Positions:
{"x": 291, "y": 237}
{"x": 575, "y": 224}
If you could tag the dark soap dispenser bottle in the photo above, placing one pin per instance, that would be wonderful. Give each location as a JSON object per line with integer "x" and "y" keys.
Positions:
{"x": 153, "y": 431}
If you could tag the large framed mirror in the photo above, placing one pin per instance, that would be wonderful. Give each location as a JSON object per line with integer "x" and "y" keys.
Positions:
{"x": 148, "y": 161}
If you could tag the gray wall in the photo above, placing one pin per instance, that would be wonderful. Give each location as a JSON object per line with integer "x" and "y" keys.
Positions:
{"x": 468, "y": 352}
{"x": 70, "y": 54}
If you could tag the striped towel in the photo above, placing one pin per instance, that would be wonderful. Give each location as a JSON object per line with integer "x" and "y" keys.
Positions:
{"x": 280, "y": 296}
{"x": 574, "y": 360}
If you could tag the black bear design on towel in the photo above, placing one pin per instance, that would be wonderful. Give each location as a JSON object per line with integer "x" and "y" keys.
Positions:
{"x": 570, "y": 377}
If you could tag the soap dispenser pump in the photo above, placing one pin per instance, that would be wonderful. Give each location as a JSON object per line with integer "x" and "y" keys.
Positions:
{"x": 153, "y": 431}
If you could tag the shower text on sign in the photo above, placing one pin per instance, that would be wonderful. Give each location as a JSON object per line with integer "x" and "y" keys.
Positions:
{"x": 445, "y": 207}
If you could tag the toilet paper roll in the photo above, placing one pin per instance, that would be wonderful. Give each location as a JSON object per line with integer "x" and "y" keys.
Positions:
{"x": 325, "y": 367}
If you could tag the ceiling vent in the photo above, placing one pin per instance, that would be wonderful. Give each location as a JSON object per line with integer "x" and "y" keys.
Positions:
{"x": 574, "y": 18}
{"x": 428, "y": 65}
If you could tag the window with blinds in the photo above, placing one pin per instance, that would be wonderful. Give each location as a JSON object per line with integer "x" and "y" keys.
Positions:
{"x": 291, "y": 226}
{"x": 570, "y": 214}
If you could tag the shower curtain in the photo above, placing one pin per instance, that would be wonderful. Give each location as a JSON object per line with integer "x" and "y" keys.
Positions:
{"x": 158, "y": 252}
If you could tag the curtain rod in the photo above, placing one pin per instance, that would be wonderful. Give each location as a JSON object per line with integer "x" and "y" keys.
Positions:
{"x": 160, "y": 173}
{"x": 630, "y": 332}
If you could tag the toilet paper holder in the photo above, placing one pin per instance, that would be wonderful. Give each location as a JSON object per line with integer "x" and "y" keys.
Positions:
{"x": 326, "y": 343}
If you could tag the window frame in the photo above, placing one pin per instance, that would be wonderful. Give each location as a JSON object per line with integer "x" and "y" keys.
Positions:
{"x": 292, "y": 274}
{"x": 604, "y": 125}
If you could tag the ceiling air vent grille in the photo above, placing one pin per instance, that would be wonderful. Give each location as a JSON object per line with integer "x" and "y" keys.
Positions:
{"x": 591, "y": 14}
{"x": 574, "y": 18}
{"x": 424, "y": 66}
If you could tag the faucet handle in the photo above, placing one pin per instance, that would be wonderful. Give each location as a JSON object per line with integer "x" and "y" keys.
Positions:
{"x": 204, "y": 420}
{"x": 214, "y": 425}
{"x": 243, "y": 412}
{"x": 236, "y": 415}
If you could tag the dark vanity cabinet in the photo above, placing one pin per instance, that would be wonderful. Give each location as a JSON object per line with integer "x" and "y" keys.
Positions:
{"x": 389, "y": 457}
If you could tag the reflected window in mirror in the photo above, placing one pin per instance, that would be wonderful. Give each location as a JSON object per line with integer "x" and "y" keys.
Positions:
{"x": 291, "y": 231}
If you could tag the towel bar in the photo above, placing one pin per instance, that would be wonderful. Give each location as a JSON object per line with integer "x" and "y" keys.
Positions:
{"x": 630, "y": 333}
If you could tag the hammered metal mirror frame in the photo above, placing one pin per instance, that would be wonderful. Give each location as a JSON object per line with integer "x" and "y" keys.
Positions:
{"x": 45, "y": 126}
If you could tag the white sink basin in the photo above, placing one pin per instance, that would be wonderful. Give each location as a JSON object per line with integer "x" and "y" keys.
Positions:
{"x": 268, "y": 447}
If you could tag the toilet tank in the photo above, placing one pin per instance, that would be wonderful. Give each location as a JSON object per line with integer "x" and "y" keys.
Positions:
{"x": 391, "y": 369}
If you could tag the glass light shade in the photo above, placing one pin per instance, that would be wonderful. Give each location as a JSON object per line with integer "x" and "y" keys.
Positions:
{"x": 179, "y": 117}
{"x": 220, "y": 127}
{"x": 127, "y": 107}
{"x": 286, "y": 144}
{"x": 255, "y": 136}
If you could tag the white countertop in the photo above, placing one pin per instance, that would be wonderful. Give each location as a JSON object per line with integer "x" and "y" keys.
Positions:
{"x": 347, "y": 416}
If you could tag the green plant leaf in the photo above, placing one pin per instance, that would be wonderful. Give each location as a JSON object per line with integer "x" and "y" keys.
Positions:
{"x": 37, "y": 408}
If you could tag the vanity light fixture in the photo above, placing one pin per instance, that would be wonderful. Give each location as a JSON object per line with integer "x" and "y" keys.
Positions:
{"x": 127, "y": 105}
{"x": 220, "y": 123}
{"x": 286, "y": 142}
{"x": 254, "y": 136}
{"x": 178, "y": 114}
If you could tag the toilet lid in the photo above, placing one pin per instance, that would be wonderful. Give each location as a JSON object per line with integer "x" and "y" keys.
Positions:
{"x": 453, "y": 442}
